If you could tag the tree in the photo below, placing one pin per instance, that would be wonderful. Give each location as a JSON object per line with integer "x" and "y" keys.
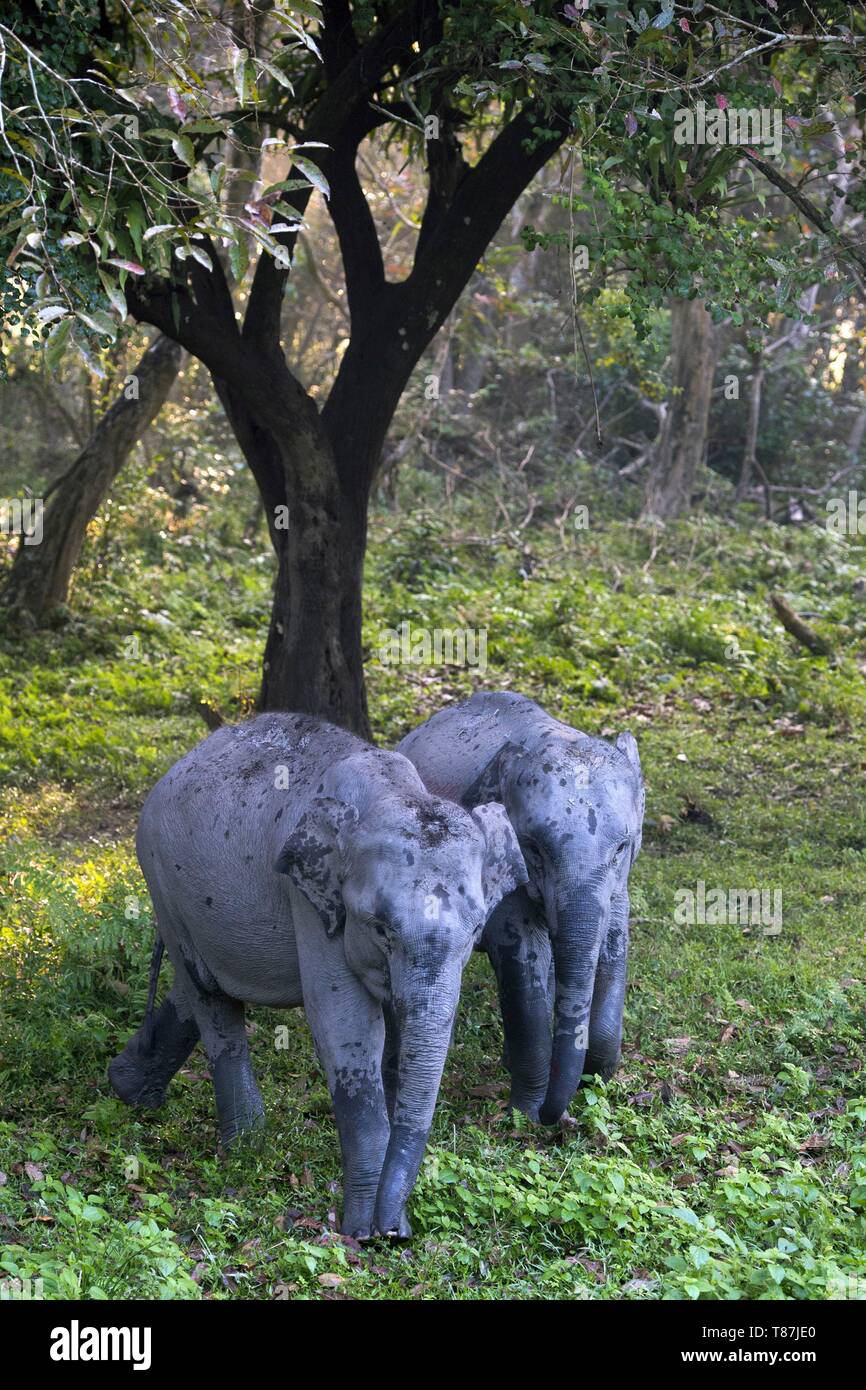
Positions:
{"x": 670, "y": 206}
{"x": 38, "y": 581}
{"x": 315, "y": 468}
{"x": 679, "y": 451}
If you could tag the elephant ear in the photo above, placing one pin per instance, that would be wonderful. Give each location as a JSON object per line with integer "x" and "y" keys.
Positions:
{"x": 488, "y": 784}
{"x": 627, "y": 744}
{"x": 504, "y": 867}
{"x": 313, "y": 858}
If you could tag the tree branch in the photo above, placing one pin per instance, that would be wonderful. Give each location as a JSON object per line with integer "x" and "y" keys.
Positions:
{"x": 334, "y": 114}
{"x": 476, "y": 208}
{"x": 339, "y": 42}
{"x": 378, "y": 362}
{"x": 809, "y": 209}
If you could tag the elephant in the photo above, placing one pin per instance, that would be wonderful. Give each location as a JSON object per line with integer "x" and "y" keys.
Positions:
{"x": 290, "y": 863}
{"x": 559, "y": 943}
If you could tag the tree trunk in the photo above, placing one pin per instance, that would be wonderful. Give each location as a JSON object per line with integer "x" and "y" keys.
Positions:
{"x": 747, "y": 465}
{"x": 683, "y": 440}
{"x": 856, "y": 436}
{"x": 313, "y": 660}
{"x": 38, "y": 580}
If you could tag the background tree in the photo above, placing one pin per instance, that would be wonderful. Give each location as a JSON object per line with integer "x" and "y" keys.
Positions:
{"x": 161, "y": 242}
{"x": 38, "y": 581}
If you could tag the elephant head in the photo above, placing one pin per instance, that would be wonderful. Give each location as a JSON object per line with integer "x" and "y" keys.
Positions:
{"x": 409, "y": 880}
{"x": 577, "y": 806}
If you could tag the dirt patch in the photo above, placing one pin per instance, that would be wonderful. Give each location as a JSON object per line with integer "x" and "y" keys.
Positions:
{"x": 63, "y": 816}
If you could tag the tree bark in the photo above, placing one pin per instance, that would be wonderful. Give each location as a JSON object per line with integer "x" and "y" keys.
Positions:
{"x": 856, "y": 436}
{"x": 313, "y": 661}
{"x": 750, "y": 450}
{"x": 38, "y": 580}
{"x": 683, "y": 440}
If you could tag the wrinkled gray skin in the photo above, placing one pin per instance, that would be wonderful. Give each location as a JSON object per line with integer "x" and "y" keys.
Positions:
{"x": 559, "y": 945}
{"x": 340, "y": 884}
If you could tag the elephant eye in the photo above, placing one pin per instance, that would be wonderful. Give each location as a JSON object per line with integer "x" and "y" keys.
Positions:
{"x": 623, "y": 846}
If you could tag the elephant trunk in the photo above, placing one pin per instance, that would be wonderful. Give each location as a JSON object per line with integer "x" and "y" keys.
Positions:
{"x": 580, "y": 919}
{"x": 425, "y": 1005}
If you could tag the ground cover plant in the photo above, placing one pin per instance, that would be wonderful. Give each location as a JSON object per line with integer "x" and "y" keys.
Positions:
{"x": 727, "y": 1158}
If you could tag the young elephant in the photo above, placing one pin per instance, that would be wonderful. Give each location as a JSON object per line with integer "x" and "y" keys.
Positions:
{"x": 291, "y": 863}
{"x": 577, "y": 806}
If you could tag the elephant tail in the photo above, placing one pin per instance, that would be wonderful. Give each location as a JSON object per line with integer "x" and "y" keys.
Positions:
{"x": 155, "y": 963}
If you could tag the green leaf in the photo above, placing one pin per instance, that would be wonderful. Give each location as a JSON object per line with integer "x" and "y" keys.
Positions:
{"x": 183, "y": 148}
{"x": 49, "y": 313}
{"x": 92, "y": 363}
{"x": 199, "y": 254}
{"x": 241, "y": 75}
{"x": 314, "y": 174}
{"x": 115, "y": 294}
{"x": 136, "y": 220}
{"x": 239, "y": 256}
{"x": 57, "y": 340}
{"x": 205, "y": 128}
{"x": 276, "y": 75}
{"x": 99, "y": 322}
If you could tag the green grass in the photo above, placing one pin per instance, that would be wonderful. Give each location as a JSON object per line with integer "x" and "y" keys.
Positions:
{"x": 727, "y": 1159}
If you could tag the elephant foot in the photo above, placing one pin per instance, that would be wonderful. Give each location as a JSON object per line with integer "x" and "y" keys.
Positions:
{"x": 359, "y": 1223}
{"x": 132, "y": 1085}
{"x": 400, "y": 1231}
{"x": 240, "y": 1107}
{"x": 244, "y": 1131}
{"x": 603, "y": 1065}
{"x": 525, "y": 1105}
{"x": 141, "y": 1073}
{"x": 362, "y": 1234}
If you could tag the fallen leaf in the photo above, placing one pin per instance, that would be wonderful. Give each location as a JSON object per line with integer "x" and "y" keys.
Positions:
{"x": 641, "y": 1098}
{"x": 814, "y": 1143}
{"x": 287, "y": 1219}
